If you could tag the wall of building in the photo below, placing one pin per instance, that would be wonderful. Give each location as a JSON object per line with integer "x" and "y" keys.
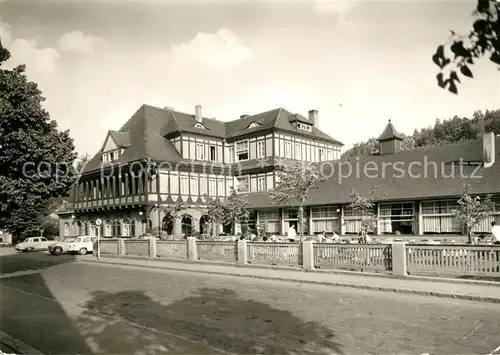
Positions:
{"x": 394, "y": 218}
{"x": 194, "y": 147}
{"x": 301, "y": 148}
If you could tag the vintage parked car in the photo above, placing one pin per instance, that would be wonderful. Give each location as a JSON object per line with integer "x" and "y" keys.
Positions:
{"x": 81, "y": 245}
{"x": 34, "y": 243}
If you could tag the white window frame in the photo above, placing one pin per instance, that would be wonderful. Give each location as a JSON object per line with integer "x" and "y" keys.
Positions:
{"x": 261, "y": 183}
{"x": 200, "y": 151}
{"x": 242, "y": 151}
{"x": 221, "y": 187}
{"x": 212, "y": 187}
{"x": 298, "y": 151}
{"x": 230, "y": 152}
{"x": 321, "y": 154}
{"x": 210, "y": 152}
{"x": 184, "y": 188}
{"x": 261, "y": 149}
{"x": 288, "y": 149}
{"x": 193, "y": 182}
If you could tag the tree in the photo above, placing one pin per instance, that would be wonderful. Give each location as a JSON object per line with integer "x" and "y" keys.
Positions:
{"x": 295, "y": 180}
{"x": 366, "y": 208}
{"x": 236, "y": 207}
{"x": 461, "y": 52}
{"x": 233, "y": 209}
{"x": 36, "y": 159}
{"x": 473, "y": 210}
{"x": 369, "y": 147}
{"x": 81, "y": 162}
{"x": 217, "y": 211}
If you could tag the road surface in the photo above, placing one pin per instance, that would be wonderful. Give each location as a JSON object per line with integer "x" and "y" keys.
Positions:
{"x": 60, "y": 306}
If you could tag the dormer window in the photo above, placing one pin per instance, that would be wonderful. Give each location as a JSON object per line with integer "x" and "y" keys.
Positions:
{"x": 304, "y": 127}
{"x": 253, "y": 125}
{"x": 111, "y": 156}
{"x": 199, "y": 125}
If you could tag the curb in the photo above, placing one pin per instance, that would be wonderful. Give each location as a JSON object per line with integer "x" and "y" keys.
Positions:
{"x": 17, "y": 345}
{"x": 324, "y": 271}
{"x": 332, "y": 283}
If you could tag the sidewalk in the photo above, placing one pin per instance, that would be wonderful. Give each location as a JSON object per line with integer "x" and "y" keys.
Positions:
{"x": 475, "y": 291}
{"x": 10, "y": 345}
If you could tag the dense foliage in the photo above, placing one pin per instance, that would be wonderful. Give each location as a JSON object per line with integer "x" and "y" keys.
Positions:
{"x": 294, "y": 182}
{"x": 461, "y": 52}
{"x": 365, "y": 206}
{"x": 473, "y": 210}
{"x": 454, "y": 130}
{"x": 230, "y": 210}
{"x": 36, "y": 159}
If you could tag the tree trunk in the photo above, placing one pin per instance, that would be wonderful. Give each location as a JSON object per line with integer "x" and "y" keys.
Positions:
{"x": 301, "y": 222}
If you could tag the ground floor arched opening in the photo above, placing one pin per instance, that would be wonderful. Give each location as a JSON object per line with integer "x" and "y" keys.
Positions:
{"x": 167, "y": 224}
{"x": 187, "y": 225}
{"x": 205, "y": 225}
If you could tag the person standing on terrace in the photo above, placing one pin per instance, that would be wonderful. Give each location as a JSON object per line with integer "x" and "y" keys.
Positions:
{"x": 495, "y": 233}
{"x": 291, "y": 234}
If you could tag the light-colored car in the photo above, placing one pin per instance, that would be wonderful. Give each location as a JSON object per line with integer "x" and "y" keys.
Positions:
{"x": 34, "y": 243}
{"x": 81, "y": 245}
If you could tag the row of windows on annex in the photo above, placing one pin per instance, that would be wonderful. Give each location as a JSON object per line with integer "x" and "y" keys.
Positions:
{"x": 315, "y": 219}
{"x": 405, "y": 218}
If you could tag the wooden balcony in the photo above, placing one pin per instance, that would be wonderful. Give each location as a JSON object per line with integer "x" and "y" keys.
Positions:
{"x": 109, "y": 203}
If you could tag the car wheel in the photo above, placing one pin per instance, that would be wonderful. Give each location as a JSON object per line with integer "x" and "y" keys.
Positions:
{"x": 57, "y": 251}
{"x": 29, "y": 249}
{"x": 82, "y": 251}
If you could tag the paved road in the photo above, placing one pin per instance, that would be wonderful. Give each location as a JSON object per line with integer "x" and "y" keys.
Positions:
{"x": 64, "y": 307}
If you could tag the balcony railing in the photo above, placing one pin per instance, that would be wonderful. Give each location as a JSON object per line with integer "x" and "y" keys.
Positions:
{"x": 110, "y": 201}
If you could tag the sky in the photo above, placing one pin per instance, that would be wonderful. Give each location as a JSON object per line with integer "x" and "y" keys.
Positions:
{"x": 359, "y": 63}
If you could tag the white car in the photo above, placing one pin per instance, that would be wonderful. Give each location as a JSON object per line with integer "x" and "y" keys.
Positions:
{"x": 34, "y": 243}
{"x": 81, "y": 245}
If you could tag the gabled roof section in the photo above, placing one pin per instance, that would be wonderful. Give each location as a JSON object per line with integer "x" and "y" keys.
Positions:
{"x": 145, "y": 139}
{"x": 183, "y": 122}
{"x": 121, "y": 139}
{"x": 278, "y": 118}
{"x": 299, "y": 118}
{"x": 389, "y": 133}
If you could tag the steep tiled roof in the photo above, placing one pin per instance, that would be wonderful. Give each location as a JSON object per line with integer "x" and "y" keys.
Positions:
{"x": 120, "y": 138}
{"x": 277, "y": 118}
{"x": 143, "y": 135}
{"x": 405, "y": 175}
{"x": 389, "y": 133}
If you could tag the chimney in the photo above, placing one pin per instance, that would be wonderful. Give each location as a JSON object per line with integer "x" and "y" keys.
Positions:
{"x": 244, "y": 116}
{"x": 489, "y": 149}
{"x": 313, "y": 117}
{"x": 197, "y": 115}
{"x": 168, "y": 108}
